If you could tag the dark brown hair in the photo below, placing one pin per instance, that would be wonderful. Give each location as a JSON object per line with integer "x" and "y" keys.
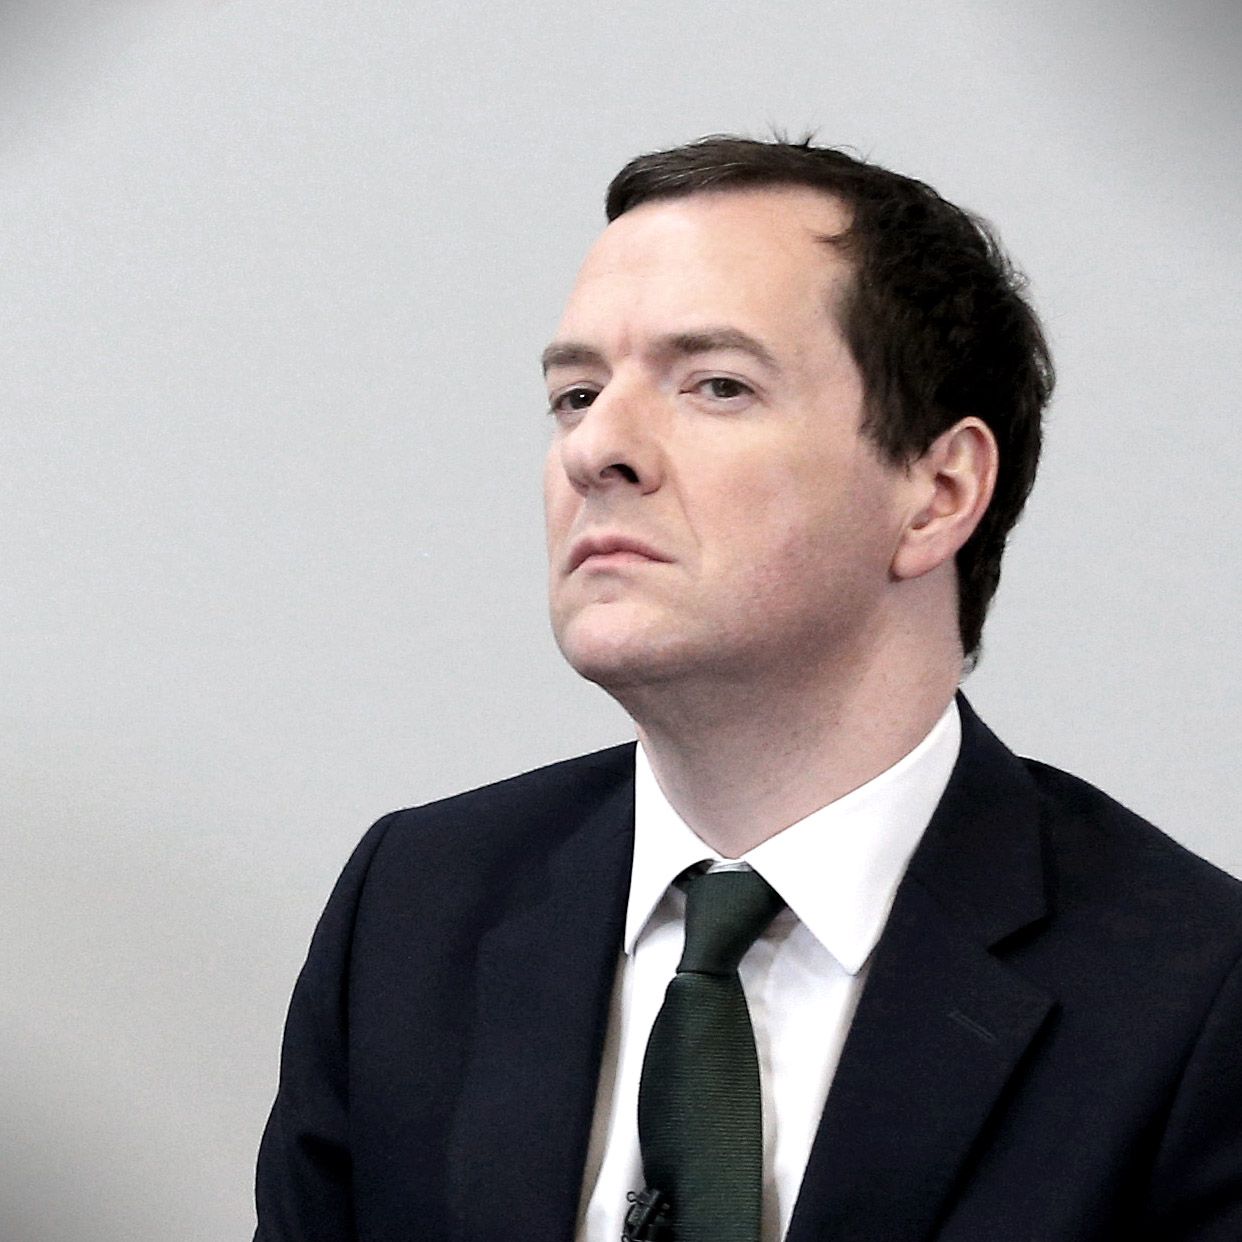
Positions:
{"x": 935, "y": 317}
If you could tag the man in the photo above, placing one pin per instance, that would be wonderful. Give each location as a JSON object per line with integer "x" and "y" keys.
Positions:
{"x": 797, "y": 403}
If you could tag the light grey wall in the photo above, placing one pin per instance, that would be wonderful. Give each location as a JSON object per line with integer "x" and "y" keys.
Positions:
{"x": 273, "y": 278}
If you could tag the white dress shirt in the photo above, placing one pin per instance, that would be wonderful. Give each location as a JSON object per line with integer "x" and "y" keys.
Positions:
{"x": 838, "y": 871}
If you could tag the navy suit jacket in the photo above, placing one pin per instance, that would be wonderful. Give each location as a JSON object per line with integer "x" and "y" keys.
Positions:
{"x": 1048, "y": 1047}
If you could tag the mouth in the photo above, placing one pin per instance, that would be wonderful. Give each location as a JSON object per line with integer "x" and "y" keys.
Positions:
{"x": 611, "y": 551}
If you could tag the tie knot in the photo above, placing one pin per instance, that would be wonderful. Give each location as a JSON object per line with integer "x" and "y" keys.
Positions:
{"x": 726, "y": 912}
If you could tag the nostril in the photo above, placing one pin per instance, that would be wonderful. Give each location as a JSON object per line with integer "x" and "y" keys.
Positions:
{"x": 628, "y": 473}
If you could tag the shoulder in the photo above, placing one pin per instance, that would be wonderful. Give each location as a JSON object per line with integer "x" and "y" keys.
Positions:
{"x": 1097, "y": 843}
{"x": 1057, "y": 830}
{"x": 1138, "y": 924}
{"x": 1018, "y": 844}
{"x": 444, "y": 863}
{"x": 505, "y": 824}
{"x": 545, "y": 797}
{"x": 567, "y": 781}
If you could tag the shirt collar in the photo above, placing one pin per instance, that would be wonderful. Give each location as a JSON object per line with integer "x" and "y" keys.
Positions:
{"x": 837, "y": 869}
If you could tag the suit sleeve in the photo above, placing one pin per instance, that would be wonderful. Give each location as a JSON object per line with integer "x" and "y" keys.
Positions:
{"x": 303, "y": 1189}
{"x": 1196, "y": 1191}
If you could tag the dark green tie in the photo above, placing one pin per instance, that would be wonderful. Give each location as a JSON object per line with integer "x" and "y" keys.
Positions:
{"x": 700, "y": 1122}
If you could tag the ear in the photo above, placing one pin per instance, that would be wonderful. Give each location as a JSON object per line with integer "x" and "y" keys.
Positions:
{"x": 951, "y": 485}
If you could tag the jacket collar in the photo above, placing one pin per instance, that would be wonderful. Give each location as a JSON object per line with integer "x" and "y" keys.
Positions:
{"x": 943, "y": 1021}
{"x": 543, "y": 983}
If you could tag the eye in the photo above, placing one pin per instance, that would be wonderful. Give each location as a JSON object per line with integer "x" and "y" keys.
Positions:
{"x": 570, "y": 400}
{"x": 723, "y": 388}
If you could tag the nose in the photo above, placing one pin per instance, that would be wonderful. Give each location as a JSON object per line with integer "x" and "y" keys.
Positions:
{"x": 613, "y": 444}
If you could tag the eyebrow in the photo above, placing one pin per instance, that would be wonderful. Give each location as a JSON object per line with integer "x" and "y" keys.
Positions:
{"x": 677, "y": 344}
{"x": 570, "y": 354}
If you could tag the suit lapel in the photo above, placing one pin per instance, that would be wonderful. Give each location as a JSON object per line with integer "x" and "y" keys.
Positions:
{"x": 544, "y": 982}
{"x": 943, "y": 1021}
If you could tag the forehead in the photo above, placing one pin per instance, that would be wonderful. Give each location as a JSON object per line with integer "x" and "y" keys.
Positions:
{"x": 756, "y": 257}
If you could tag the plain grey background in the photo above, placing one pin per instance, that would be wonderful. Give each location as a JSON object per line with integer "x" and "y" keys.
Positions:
{"x": 274, "y": 275}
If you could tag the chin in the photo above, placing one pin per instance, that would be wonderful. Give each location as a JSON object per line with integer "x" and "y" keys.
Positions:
{"x": 616, "y": 656}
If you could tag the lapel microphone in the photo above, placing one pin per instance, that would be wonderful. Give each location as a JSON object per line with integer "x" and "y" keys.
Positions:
{"x": 648, "y": 1218}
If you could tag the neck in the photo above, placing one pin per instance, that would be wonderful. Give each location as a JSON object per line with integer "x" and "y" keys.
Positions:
{"x": 741, "y": 762}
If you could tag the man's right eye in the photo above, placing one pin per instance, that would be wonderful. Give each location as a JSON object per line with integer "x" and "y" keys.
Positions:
{"x": 572, "y": 399}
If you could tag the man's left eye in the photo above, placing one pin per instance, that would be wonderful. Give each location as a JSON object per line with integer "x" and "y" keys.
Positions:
{"x": 724, "y": 388}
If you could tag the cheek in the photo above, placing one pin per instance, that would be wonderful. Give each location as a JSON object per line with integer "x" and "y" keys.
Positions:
{"x": 558, "y": 498}
{"x": 806, "y": 525}
{"x": 780, "y": 506}
{"x": 763, "y": 534}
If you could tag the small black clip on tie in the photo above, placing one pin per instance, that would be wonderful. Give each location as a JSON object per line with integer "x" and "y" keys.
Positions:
{"x": 648, "y": 1217}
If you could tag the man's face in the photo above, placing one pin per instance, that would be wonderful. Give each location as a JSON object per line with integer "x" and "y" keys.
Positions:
{"x": 713, "y": 510}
